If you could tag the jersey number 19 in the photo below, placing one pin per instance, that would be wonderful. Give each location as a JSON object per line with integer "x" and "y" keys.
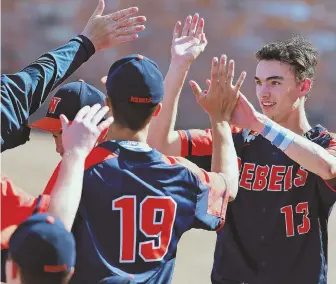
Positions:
{"x": 149, "y": 211}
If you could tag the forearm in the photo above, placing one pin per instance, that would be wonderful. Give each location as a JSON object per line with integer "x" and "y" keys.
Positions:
{"x": 308, "y": 154}
{"x": 66, "y": 194}
{"x": 54, "y": 67}
{"x": 161, "y": 132}
{"x": 224, "y": 156}
{"x": 23, "y": 93}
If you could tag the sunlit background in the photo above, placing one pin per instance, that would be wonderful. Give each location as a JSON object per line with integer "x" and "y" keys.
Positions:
{"x": 235, "y": 27}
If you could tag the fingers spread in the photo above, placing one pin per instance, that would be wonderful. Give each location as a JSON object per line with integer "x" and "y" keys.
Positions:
{"x": 105, "y": 124}
{"x": 214, "y": 71}
{"x": 177, "y": 30}
{"x": 126, "y": 22}
{"x": 83, "y": 111}
{"x": 123, "y": 13}
{"x": 200, "y": 29}
{"x": 230, "y": 73}
{"x": 127, "y": 38}
{"x": 100, "y": 114}
{"x": 240, "y": 81}
{"x": 130, "y": 30}
{"x": 196, "y": 90}
{"x": 64, "y": 122}
{"x": 90, "y": 114}
{"x": 193, "y": 25}
{"x": 222, "y": 69}
{"x": 186, "y": 27}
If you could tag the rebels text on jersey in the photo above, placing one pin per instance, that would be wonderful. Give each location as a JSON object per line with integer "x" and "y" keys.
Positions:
{"x": 276, "y": 228}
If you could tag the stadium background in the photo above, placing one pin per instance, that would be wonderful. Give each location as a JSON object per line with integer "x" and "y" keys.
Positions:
{"x": 235, "y": 27}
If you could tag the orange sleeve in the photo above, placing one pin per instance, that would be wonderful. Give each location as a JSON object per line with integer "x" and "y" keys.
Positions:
{"x": 197, "y": 142}
{"x": 52, "y": 181}
{"x": 16, "y": 206}
{"x": 218, "y": 192}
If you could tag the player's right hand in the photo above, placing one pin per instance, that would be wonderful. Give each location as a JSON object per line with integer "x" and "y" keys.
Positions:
{"x": 188, "y": 42}
{"x": 107, "y": 31}
{"x": 82, "y": 134}
{"x": 220, "y": 99}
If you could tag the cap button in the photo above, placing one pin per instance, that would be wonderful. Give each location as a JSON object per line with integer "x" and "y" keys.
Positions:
{"x": 140, "y": 57}
{"x": 50, "y": 219}
{"x": 81, "y": 80}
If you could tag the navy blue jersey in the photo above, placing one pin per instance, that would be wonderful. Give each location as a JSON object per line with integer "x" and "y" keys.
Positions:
{"x": 276, "y": 228}
{"x": 23, "y": 93}
{"x": 136, "y": 204}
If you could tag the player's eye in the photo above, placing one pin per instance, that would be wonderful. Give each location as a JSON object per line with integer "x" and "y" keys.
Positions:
{"x": 275, "y": 83}
{"x": 258, "y": 82}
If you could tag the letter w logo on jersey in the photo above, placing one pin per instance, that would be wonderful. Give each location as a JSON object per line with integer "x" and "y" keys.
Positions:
{"x": 53, "y": 104}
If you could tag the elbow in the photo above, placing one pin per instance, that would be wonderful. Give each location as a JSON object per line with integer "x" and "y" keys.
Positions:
{"x": 330, "y": 172}
{"x": 233, "y": 189}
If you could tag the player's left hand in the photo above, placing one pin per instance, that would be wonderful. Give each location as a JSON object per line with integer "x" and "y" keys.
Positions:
{"x": 188, "y": 42}
{"x": 82, "y": 134}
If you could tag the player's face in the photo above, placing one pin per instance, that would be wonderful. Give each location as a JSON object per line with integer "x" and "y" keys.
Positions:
{"x": 277, "y": 90}
{"x": 58, "y": 141}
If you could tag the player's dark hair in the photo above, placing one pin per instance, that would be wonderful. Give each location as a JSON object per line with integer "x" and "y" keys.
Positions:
{"x": 296, "y": 51}
{"x": 132, "y": 115}
{"x": 29, "y": 277}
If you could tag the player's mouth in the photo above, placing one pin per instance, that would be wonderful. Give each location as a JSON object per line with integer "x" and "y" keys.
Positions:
{"x": 267, "y": 105}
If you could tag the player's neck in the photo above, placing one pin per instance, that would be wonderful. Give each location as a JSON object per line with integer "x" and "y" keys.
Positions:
{"x": 297, "y": 121}
{"x": 116, "y": 132}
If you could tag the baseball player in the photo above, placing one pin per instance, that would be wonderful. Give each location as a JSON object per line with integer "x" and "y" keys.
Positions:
{"x": 16, "y": 204}
{"x": 136, "y": 203}
{"x": 23, "y": 93}
{"x": 41, "y": 251}
{"x": 276, "y": 229}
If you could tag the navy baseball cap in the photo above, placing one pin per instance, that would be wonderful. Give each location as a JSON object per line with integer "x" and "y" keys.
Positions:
{"x": 135, "y": 79}
{"x": 68, "y": 100}
{"x": 42, "y": 244}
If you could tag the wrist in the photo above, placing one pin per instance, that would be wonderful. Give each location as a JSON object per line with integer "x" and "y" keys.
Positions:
{"x": 279, "y": 136}
{"x": 259, "y": 122}
{"x": 76, "y": 154}
{"x": 179, "y": 66}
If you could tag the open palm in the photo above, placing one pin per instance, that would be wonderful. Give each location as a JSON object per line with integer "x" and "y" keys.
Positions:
{"x": 189, "y": 42}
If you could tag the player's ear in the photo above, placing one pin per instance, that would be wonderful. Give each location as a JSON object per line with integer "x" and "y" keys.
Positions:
{"x": 12, "y": 272}
{"x": 109, "y": 104}
{"x": 158, "y": 109}
{"x": 305, "y": 87}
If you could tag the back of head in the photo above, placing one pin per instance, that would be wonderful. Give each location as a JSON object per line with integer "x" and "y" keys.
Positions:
{"x": 43, "y": 250}
{"x": 135, "y": 87}
{"x": 297, "y": 51}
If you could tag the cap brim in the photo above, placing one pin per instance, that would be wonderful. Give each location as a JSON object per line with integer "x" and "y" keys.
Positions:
{"x": 47, "y": 124}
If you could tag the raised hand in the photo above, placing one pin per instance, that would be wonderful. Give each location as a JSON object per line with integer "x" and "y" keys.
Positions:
{"x": 82, "y": 134}
{"x": 220, "y": 100}
{"x": 189, "y": 41}
{"x": 107, "y": 31}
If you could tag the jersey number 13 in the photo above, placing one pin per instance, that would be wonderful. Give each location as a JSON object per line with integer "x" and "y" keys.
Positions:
{"x": 149, "y": 211}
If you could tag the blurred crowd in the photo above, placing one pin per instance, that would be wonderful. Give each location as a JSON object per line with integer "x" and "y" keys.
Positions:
{"x": 233, "y": 27}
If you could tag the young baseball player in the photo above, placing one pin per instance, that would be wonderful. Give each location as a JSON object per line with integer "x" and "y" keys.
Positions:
{"x": 276, "y": 230}
{"x": 16, "y": 204}
{"x": 41, "y": 250}
{"x": 136, "y": 203}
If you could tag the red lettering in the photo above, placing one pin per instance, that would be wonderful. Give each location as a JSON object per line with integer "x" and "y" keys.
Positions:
{"x": 289, "y": 178}
{"x": 53, "y": 104}
{"x": 275, "y": 178}
{"x": 247, "y": 176}
{"x": 239, "y": 164}
{"x": 301, "y": 177}
{"x": 260, "y": 181}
